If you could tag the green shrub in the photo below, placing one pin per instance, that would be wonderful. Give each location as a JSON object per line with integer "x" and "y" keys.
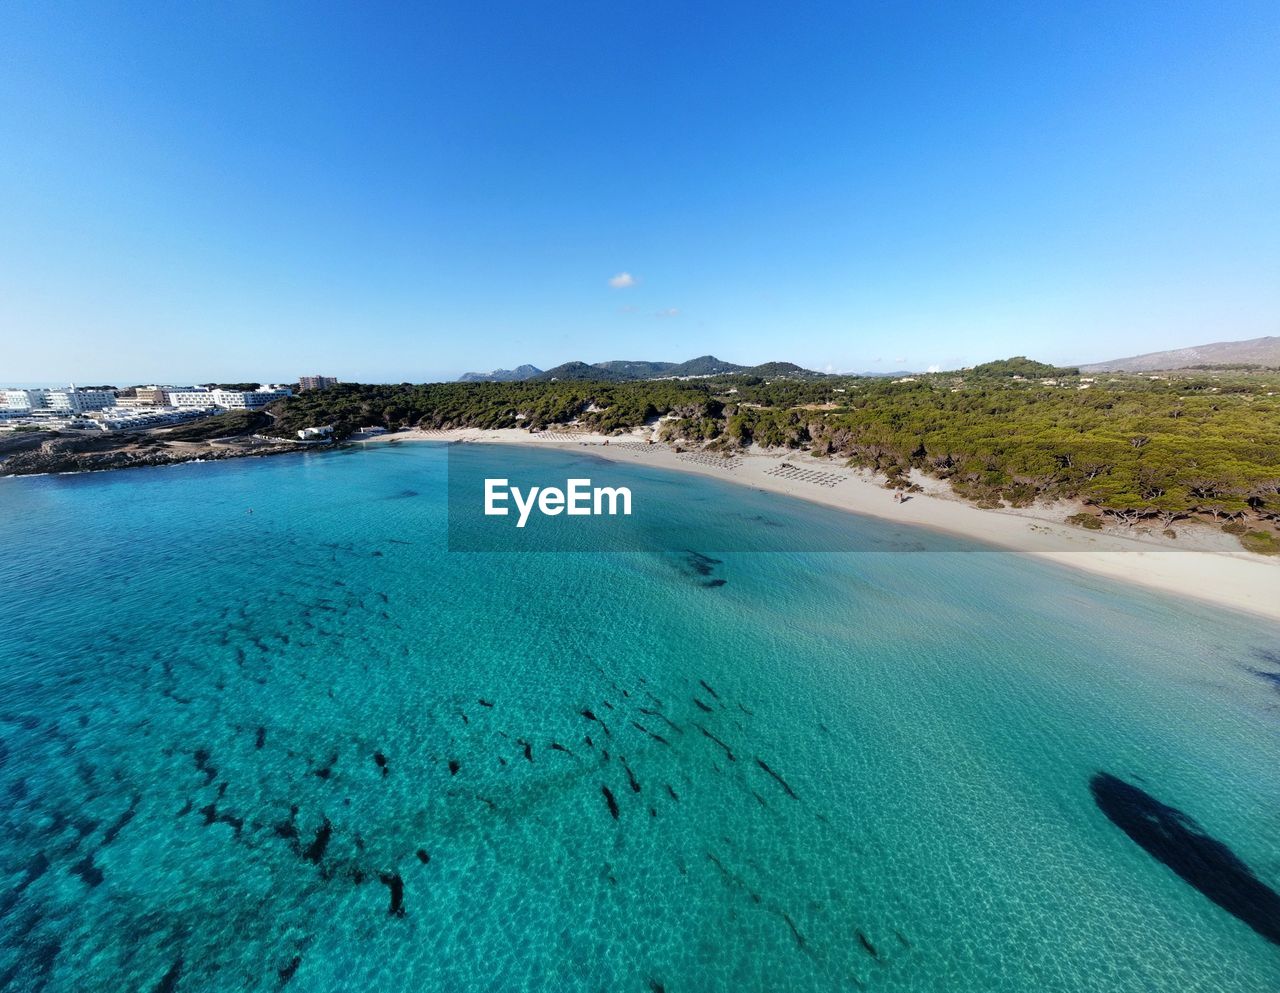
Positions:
{"x": 1261, "y": 543}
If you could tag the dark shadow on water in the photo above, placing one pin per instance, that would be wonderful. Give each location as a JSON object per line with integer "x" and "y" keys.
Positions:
{"x": 1271, "y": 677}
{"x": 1176, "y": 840}
{"x": 1272, "y": 658}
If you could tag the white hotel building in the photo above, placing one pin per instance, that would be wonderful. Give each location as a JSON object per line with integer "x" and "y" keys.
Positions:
{"x": 22, "y": 400}
{"x": 60, "y": 402}
{"x": 198, "y": 397}
{"x": 74, "y": 401}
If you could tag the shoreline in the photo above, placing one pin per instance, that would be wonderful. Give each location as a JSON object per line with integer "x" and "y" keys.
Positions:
{"x": 1205, "y": 567}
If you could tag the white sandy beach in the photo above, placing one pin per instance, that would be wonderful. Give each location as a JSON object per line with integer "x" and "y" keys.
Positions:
{"x": 1201, "y": 563}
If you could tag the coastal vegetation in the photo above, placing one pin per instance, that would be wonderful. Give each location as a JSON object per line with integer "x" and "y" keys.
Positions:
{"x": 1150, "y": 450}
{"x": 232, "y": 424}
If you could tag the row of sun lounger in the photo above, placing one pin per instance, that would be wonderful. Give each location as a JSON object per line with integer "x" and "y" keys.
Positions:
{"x": 705, "y": 458}
{"x": 801, "y": 475}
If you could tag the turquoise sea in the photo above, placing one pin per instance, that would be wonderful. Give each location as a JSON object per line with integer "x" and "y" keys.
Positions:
{"x": 308, "y": 747}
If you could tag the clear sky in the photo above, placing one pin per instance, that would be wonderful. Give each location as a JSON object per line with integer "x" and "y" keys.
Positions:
{"x": 406, "y": 191}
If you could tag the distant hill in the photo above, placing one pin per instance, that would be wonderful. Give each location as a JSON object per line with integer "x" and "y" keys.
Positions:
{"x": 636, "y": 369}
{"x": 1020, "y": 365}
{"x": 1255, "y": 351}
{"x": 501, "y": 375}
{"x": 779, "y": 370}
{"x": 628, "y": 370}
{"x": 622, "y": 370}
{"x": 703, "y": 365}
{"x": 582, "y": 371}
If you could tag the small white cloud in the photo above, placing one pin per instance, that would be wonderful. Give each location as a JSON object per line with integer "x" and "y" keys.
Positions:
{"x": 934, "y": 368}
{"x": 622, "y": 281}
{"x": 669, "y": 312}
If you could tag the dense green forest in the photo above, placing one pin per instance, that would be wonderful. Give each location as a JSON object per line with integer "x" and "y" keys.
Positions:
{"x": 1149, "y": 449}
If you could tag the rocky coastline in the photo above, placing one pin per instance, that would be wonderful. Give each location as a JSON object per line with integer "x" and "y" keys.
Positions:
{"x": 48, "y": 453}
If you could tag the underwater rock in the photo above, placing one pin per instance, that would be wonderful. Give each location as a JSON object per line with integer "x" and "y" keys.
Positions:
{"x": 169, "y": 982}
{"x": 650, "y": 712}
{"x": 87, "y": 871}
{"x": 700, "y": 564}
{"x": 212, "y": 816}
{"x": 286, "y": 972}
{"x": 202, "y": 764}
{"x": 795, "y": 931}
{"x": 590, "y": 715}
{"x": 631, "y": 776}
{"x": 727, "y": 750}
{"x": 36, "y": 868}
{"x": 122, "y": 821}
{"x": 395, "y": 884}
{"x": 781, "y": 782}
{"x": 326, "y": 770}
{"x": 652, "y": 734}
{"x": 288, "y": 829}
{"x": 315, "y": 851}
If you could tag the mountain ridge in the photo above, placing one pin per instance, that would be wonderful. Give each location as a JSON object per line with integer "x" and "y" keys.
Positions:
{"x": 520, "y": 372}
{"x": 630, "y": 370}
{"x": 1251, "y": 351}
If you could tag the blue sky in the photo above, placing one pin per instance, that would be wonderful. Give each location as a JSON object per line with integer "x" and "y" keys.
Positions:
{"x": 382, "y": 192}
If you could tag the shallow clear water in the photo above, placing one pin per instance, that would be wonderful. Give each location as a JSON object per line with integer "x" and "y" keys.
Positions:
{"x": 189, "y": 692}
